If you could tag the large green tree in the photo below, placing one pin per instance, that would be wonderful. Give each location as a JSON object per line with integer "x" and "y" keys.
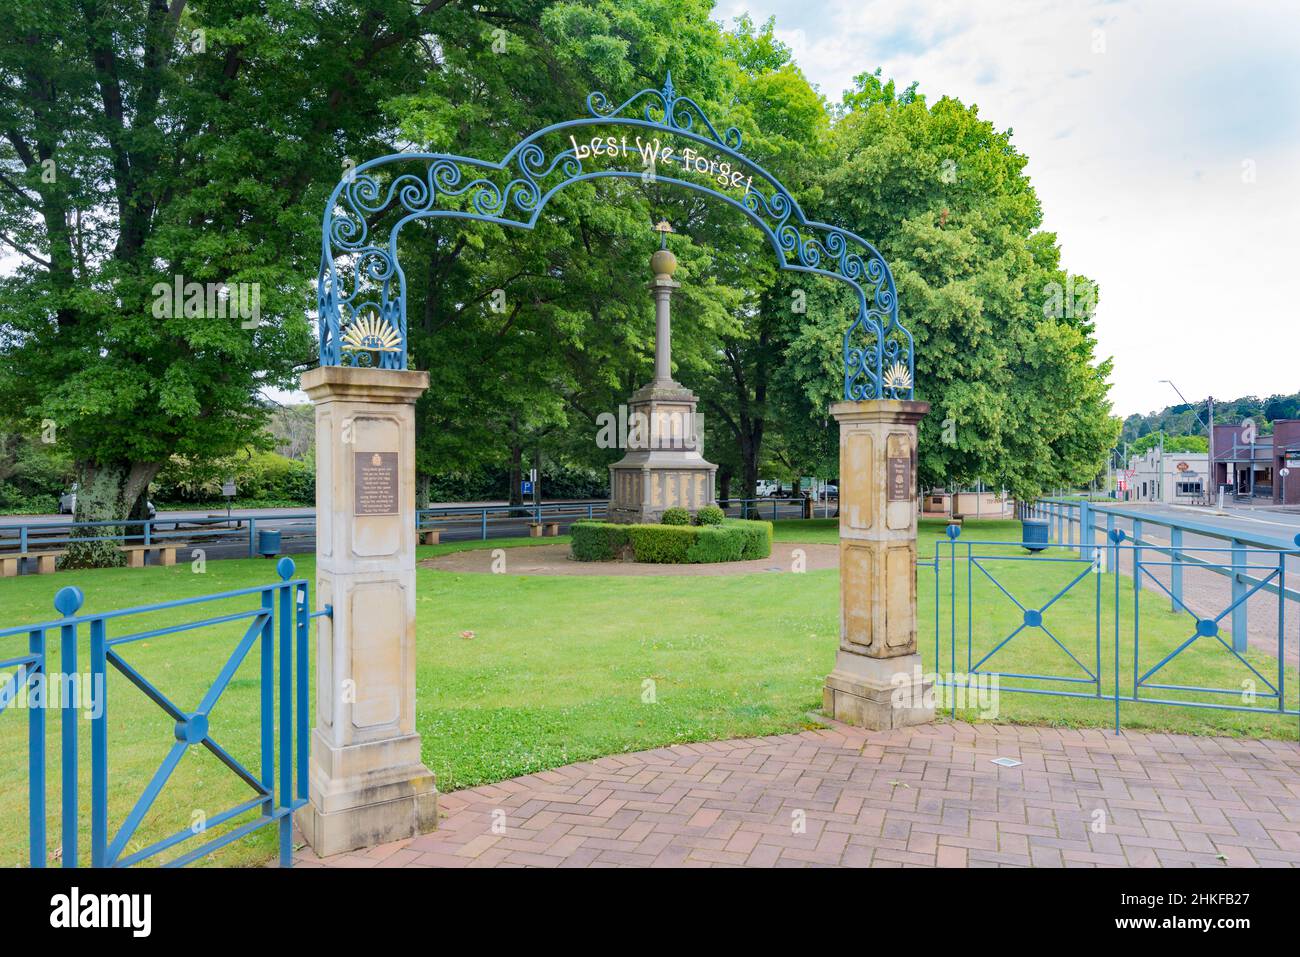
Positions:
{"x": 1004, "y": 337}
{"x": 149, "y": 143}
{"x": 534, "y": 334}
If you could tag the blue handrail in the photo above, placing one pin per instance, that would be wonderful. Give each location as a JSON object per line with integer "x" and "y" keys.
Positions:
{"x": 1076, "y": 520}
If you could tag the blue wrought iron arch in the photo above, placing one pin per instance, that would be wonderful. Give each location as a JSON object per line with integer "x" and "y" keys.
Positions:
{"x": 361, "y": 287}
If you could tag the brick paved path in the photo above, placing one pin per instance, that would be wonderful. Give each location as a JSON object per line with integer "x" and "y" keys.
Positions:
{"x": 921, "y": 796}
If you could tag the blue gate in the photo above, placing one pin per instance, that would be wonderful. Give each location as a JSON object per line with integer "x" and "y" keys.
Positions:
{"x": 274, "y": 619}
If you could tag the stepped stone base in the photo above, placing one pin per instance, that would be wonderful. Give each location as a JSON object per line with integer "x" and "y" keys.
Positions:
{"x": 664, "y": 466}
{"x": 878, "y": 693}
{"x": 367, "y": 794}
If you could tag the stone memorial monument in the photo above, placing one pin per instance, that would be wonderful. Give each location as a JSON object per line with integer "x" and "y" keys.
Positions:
{"x": 664, "y": 466}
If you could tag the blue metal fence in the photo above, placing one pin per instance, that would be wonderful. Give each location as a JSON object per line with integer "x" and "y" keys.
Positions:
{"x": 1095, "y": 617}
{"x": 276, "y": 619}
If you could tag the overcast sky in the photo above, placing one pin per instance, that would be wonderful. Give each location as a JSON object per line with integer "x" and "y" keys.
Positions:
{"x": 1164, "y": 142}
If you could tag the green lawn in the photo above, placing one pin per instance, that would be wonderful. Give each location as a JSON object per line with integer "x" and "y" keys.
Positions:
{"x": 518, "y": 674}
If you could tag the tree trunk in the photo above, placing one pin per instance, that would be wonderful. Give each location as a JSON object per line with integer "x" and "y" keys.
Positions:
{"x": 724, "y": 486}
{"x": 514, "y": 494}
{"x": 422, "y": 486}
{"x": 107, "y": 492}
{"x": 749, "y": 466}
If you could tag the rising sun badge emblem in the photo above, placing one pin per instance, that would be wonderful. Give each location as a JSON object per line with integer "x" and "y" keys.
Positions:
{"x": 897, "y": 377}
{"x": 371, "y": 334}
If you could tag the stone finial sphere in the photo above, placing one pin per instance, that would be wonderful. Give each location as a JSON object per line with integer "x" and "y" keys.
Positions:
{"x": 663, "y": 262}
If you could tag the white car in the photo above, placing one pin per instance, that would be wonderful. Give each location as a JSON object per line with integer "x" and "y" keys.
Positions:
{"x": 68, "y": 504}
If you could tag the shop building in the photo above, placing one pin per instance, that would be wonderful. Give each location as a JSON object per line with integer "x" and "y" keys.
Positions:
{"x": 1172, "y": 477}
{"x": 1255, "y": 469}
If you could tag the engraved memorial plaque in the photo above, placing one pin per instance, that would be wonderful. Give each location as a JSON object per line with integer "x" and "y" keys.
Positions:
{"x": 375, "y": 487}
{"x": 900, "y": 478}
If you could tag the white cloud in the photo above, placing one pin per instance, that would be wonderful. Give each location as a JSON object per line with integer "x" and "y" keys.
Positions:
{"x": 1144, "y": 124}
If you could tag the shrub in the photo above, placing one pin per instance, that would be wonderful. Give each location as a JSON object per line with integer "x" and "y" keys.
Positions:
{"x": 260, "y": 476}
{"x": 661, "y": 544}
{"x": 598, "y": 541}
{"x": 733, "y": 540}
{"x": 558, "y": 480}
{"x": 709, "y": 515}
{"x": 676, "y": 516}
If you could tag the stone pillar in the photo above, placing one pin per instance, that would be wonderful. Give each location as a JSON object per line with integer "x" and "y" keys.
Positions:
{"x": 367, "y": 784}
{"x": 661, "y": 287}
{"x": 877, "y": 682}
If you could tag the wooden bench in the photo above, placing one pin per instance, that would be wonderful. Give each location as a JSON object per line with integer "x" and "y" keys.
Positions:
{"x": 552, "y": 528}
{"x": 45, "y": 562}
{"x": 534, "y": 529}
{"x": 430, "y": 537}
{"x": 135, "y": 554}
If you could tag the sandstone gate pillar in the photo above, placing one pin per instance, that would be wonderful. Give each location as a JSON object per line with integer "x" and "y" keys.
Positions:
{"x": 877, "y": 682}
{"x": 367, "y": 784}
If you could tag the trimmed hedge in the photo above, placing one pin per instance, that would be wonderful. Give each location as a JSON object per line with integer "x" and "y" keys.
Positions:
{"x": 733, "y": 540}
{"x": 714, "y": 543}
{"x": 757, "y": 537}
{"x": 661, "y": 544}
{"x": 597, "y": 541}
{"x": 676, "y": 516}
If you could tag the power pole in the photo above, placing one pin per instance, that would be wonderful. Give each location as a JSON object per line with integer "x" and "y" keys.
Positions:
{"x": 1162, "y": 465}
{"x": 1214, "y": 472}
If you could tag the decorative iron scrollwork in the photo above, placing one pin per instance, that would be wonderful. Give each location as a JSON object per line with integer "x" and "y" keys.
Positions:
{"x": 362, "y": 289}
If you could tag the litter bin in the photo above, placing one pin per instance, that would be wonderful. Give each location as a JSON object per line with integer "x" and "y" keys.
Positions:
{"x": 1033, "y": 532}
{"x": 268, "y": 542}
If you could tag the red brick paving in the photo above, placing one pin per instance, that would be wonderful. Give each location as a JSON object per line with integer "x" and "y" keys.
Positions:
{"x": 925, "y": 796}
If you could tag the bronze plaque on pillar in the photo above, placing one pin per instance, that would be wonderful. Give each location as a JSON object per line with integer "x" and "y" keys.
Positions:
{"x": 900, "y": 478}
{"x": 375, "y": 488}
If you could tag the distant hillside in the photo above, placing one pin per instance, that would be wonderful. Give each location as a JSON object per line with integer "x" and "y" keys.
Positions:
{"x": 1181, "y": 419}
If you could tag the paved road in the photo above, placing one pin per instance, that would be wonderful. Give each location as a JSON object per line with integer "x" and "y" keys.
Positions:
{"x": 258, "y": 513}
{"x": 1250, "y": 523}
